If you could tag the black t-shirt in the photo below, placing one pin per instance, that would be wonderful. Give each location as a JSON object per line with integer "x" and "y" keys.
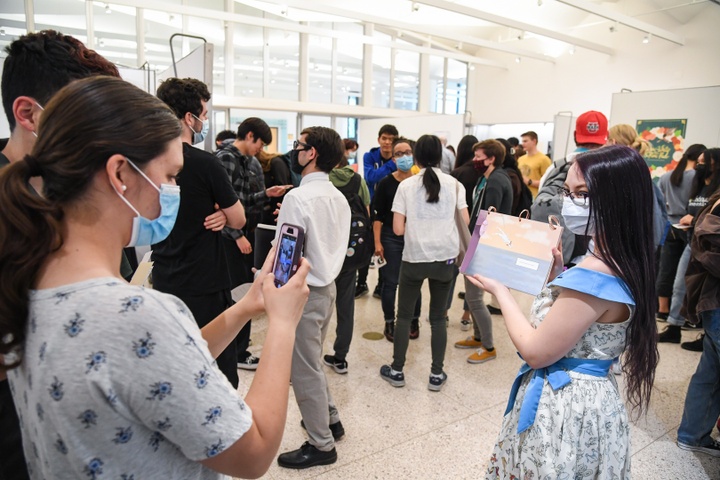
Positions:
{"x": 382, "y": 201}
{"x": 191, "y": 261}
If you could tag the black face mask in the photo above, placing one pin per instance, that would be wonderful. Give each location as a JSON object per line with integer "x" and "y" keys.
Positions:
{"x": 480, "y": 167}
{"x": 701, "y": 168}
{"x": 295, "y": 162}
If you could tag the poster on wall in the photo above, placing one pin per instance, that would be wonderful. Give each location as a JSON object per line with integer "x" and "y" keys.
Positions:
{"x": 666, "y": 139}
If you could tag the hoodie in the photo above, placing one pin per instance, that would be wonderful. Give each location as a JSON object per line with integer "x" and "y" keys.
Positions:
{"x": 376, "y": 168}
{"x": 342, "y": 176}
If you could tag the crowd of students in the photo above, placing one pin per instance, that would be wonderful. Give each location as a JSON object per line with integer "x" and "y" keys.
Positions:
{"x": 109, "y": 379}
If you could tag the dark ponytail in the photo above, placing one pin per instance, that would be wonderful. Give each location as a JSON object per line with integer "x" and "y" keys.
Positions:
{"x": 29, "y": 232}
{"x": 84, "y": 124}
{"x": 428, "y": 153}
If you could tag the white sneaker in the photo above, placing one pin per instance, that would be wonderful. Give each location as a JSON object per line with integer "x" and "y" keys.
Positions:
{"x": 465, "y": 325}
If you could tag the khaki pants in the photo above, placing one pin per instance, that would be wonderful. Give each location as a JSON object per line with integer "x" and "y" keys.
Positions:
{"x": 308, "y": 376}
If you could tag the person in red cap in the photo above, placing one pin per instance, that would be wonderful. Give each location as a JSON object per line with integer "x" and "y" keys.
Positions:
{"x": 591, "y": 131}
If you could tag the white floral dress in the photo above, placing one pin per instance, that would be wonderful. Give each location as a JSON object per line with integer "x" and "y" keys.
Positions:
{"x": 581, "y": 430}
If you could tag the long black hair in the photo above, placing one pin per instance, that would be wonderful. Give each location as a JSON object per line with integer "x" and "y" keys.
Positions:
{"x": 510, "y": 162}
{"x": 711, "y": 171}
{"x": 465, "y": 151}
{"x": 621, "y": 205}
{"x": 692, "y": 153}
{"x": 428, "y": 153}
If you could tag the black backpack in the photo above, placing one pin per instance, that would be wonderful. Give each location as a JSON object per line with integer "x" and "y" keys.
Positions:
{"x": 361, "y": 244}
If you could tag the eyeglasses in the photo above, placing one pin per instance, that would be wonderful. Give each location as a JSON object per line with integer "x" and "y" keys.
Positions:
{"x": 298, "y": 143}
{"x": 399, "y": 154}
{"x": 581, "y": 199}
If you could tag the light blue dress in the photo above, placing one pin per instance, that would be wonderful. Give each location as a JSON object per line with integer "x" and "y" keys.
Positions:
{"x": 581, "y": 428}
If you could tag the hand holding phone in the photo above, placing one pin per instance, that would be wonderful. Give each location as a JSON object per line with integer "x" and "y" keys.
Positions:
{"x": 288, "y": 252}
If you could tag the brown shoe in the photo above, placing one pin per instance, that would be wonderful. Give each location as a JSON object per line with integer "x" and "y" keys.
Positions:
{"x": 414, "y": 329}
{"x": 389, "y": 331}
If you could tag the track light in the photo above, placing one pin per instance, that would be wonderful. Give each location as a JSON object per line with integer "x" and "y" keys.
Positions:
{"x": 2, "y": 32}
{"x": 518, "y": 59}
{"x": 471, "y": 66}
{"x": 572, "y": 50}
{"x": 107, "y": 9}
{"x": 415, "y": 6}
{"x": 646, "y": 39}
{"x": 540, "y": 3}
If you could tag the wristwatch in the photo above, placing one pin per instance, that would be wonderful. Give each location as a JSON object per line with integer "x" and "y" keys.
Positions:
{"x": 529, "y": 182}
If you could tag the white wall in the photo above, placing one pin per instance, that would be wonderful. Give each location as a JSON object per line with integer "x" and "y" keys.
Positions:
{"x": 533, "y": 91}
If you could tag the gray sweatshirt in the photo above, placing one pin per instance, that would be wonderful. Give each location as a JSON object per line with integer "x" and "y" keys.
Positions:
{"x": 676, "y": 198}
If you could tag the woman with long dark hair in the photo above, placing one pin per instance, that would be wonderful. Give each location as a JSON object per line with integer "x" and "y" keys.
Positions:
{"x": 109, "y": 379}
{"x": 705, "y": 184}
{"x": 675, "y": 187}
{"x": 424, "y": 213}
{"x": 565, "y": 407}
{"x": 464, "y": 171}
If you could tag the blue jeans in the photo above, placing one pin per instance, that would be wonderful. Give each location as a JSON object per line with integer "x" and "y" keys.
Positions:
{"x": 702, "y": 402}
{"x": 393, "y": 246}
{"x": 678, "y": 294}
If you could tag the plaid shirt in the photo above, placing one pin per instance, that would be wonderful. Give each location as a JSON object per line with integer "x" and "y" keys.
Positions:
{"x": 249, "y": 185}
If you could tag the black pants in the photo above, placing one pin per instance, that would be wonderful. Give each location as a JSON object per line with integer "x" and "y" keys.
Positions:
{"x": 670, "y": 254}
{"x": 345, "y": 309}
{"x": 205, "y": 308}
{"x": 240, "y": 270}
{"x": 12, "y": 460}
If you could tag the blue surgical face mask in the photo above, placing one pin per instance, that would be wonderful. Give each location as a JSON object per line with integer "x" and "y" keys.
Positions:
{"x": 149, "y": 232}
{"x": 405, "y": 163}
{"x": 199, "y": 137}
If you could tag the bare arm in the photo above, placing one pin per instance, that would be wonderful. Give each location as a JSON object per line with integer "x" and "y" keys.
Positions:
{"x": 556, "y": 335}
{"x": 252, "y": 454}
{"x": 379, "y": 250}
{"x": 235, "y": 215}
{"x": 399, "y": 224}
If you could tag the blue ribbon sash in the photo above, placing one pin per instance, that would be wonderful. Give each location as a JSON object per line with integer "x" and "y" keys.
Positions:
{"x": 557, "y": 377}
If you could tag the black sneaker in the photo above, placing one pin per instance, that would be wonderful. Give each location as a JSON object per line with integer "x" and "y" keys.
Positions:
{"x": 493, "y": 310}
{"x": 394, "y": 379}
{"x": 376, "y": 292}
{"x": 661, "y": 316}
{"x": 361, "y": 290}
{"x": 307, "y": 456}
{"x": 712, "y": 449}
{"x": 340, "y": 366}
{"x": 695, "y": 345}
{"x": 250, "y": 363}
{"x": 436, "y": 382}
{"x": 671, "y": 334}
{"x": 687, "y": 326}
{"x": 336, "y": 429}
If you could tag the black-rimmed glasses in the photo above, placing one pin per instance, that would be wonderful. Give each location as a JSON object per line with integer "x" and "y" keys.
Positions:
{"x": 298, "y": 143}
{"x": 581, "y": 199}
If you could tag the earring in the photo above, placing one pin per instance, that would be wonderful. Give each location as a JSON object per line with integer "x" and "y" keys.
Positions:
{"x": 123, "y": 188}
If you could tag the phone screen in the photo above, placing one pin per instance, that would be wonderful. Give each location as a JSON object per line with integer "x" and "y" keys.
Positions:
{"x": 283, "y": 267}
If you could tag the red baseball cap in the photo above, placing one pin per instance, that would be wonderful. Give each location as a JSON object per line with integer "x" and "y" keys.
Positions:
{"x": 591, "y": 127}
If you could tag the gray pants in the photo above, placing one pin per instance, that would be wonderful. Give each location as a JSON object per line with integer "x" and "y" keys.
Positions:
{"x": 307, "y": 375}
{"x": 482, "y": 321}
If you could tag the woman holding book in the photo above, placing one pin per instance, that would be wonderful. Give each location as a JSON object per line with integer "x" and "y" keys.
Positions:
{"x": 565, "y": 416}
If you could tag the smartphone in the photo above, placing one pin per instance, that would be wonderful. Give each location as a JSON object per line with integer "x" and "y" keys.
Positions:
{"x": 288, "y": 252}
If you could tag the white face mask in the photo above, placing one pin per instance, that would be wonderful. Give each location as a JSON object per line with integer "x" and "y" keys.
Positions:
{"x": 577, "y": 218}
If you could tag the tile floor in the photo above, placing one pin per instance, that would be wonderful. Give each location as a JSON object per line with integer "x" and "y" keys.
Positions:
{"x": 411, "y": 432}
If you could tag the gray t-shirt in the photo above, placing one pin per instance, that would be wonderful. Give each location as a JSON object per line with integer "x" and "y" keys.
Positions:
{"x": 676, "y": 198}
{"x": 117, "y": 382}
